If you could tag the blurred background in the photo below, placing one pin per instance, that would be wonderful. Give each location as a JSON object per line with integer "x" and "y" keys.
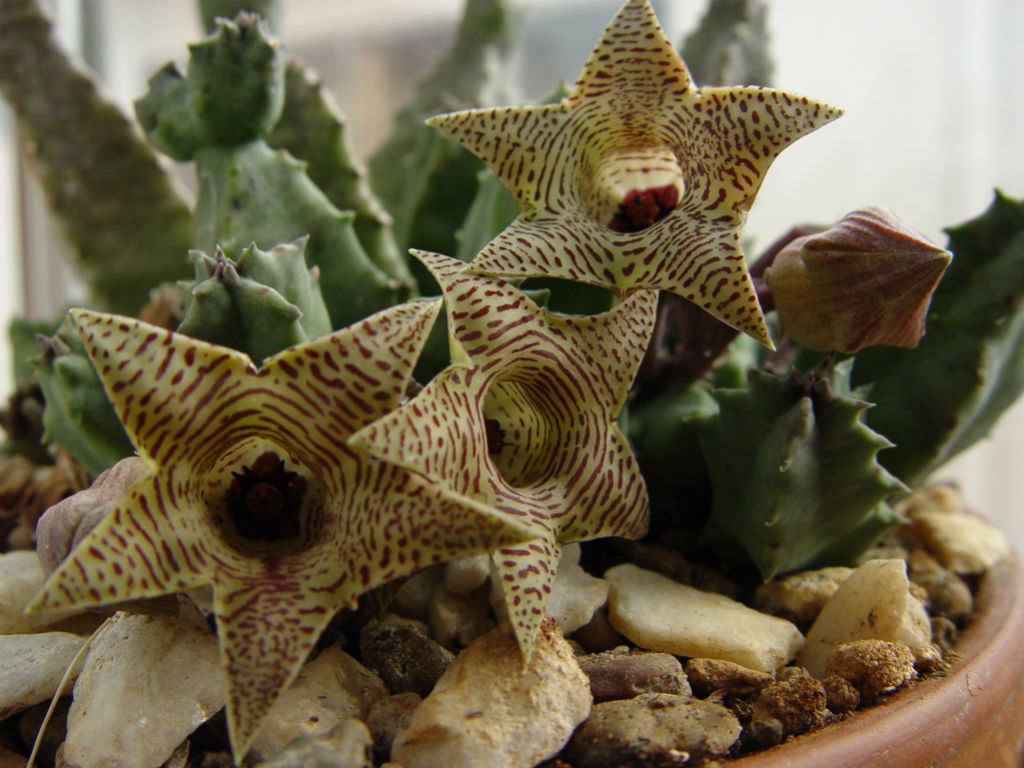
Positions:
{"x": 933, "y": 92}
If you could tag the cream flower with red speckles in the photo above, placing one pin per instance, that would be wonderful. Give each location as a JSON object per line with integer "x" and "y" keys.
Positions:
{"x": 524, "y": 421}
{"x": 254, "y": 490}
{"x": 638, "y": 179}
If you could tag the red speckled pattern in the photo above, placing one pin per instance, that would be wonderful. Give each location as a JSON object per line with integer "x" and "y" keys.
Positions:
{"x": 553, "y": 385}
{"x": 636, "y": 107}
{"x": 197, "y": 413}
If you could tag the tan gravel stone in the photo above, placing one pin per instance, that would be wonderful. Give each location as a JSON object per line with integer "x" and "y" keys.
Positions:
{"x": 31, "y": 667}
{"x": 873, "y": 667}
{"x": 660, "y": 614}
{"x": 799, "y": 597}
{"x": 147, "y": 682}
{"x": 488, "y": 710}
{"x": 875, "y": 602}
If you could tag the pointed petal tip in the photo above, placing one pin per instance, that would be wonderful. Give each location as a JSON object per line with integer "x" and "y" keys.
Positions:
{"x": 441, "y": 267}
{"x": 446, "y": 121}
{"x": 38, "y": 604}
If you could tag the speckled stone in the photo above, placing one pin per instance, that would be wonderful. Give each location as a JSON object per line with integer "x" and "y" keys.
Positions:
{"x": 402, "y": 653}
{"x": 873, "y": 667}
{"x": 799, "y": 597}
{"x": 709, "y": 676}
{"x": 488, "y": 710}
{"x": 653, "y": 729}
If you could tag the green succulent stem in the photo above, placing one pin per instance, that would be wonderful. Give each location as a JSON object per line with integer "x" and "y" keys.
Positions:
{"x": 941, "y": 398}
{"x": 78, "y": 416}
{"x": 426, "y": 180}
{"x": 129, "y": 226}
{"x": 312, "y": 129}
{"x": 252, "y": 193}
{"x": 794, "y": 472}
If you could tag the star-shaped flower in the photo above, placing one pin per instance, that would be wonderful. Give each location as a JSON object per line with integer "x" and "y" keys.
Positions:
{"x": 524, "y": 421}
{"x": 254, "y": 490}
{"x": 638, "y": 179}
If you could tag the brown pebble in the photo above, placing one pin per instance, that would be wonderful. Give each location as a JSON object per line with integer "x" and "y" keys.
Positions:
{"x": 798, "y": 703}
{"x": 623, "y": 675}
{"x": 654, "y": 730}
{"x": 948, "y": 594}
{"x": 930, "y": 660}
{"x": 873, "y": 667}
{"x": 707, "y": 676}
{"x": 944, "y": 498}
{"x": 31, "y": 720}
{"x": 944, "y": 634}
{"x": 799, "y": 597}
{"x": 598, "y": 634}
{"x": 791, "y": 673}
{"x": 841, "y": 694}
{"x": 766, "y": 731}
{"x": 670, "y": 562}
{"x": 403, "y": 655}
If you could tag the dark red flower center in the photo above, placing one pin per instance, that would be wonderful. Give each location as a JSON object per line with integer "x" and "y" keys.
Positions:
{"x": 264, "y": 500}
{"x": 495, "y": 436}
{"x": 642, "y": 207}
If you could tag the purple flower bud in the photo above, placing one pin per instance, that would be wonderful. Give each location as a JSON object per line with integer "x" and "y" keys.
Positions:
{"x": 866, "y": 281}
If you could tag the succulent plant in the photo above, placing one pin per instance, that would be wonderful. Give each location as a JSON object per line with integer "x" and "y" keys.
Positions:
{"x": 253, "y": 489}
{"x": 313, "y": 130}
{"x": 83, "y": 169}
{"x": 939, "y": 399}
{"x": 289, "y": 458}
{"x": 220, "y": 114}
{"x": 637, "y": 179}
{"x": 524, "y": 421}
{"x": 812, "y": 491}
{"x": 77, "y": 415}
{"x": 260, "y": 304}
{"x": 426, "y": 180}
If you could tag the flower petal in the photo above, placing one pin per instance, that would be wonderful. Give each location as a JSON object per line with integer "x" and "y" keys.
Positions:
{"x": 255, "y": 490}
{"x": 526, "y": 423}
{"x": 267, "y": 627}
{"x": 172, "y": 393}
{"x": 527, "y": 573}
{"x": 637, "y": 179}
{"x": 137, "y": 551}
{"x": 270, "y": 612}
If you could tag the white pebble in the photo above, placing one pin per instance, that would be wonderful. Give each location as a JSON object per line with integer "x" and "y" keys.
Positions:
{"x": 146, "y": 684}
{"x": 328, "y": 691}
{"x": 456, "y": 620}
{"x": 21, "y": 577}
{"x": 874, "y": 603}
{"x": 963, "y": 543}
{"x": 467, "y": 574}
{"x": 660, "y": 614}
{"x": 575, "y": 594}
{"x": 31, "y": 667}
{"x": 487, "y": 709}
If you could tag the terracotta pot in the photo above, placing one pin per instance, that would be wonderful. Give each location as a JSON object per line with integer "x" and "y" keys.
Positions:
{"x": 972, "y": 717}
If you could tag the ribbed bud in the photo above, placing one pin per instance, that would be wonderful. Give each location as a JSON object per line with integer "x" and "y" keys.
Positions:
{"x": 866, "y": 281}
